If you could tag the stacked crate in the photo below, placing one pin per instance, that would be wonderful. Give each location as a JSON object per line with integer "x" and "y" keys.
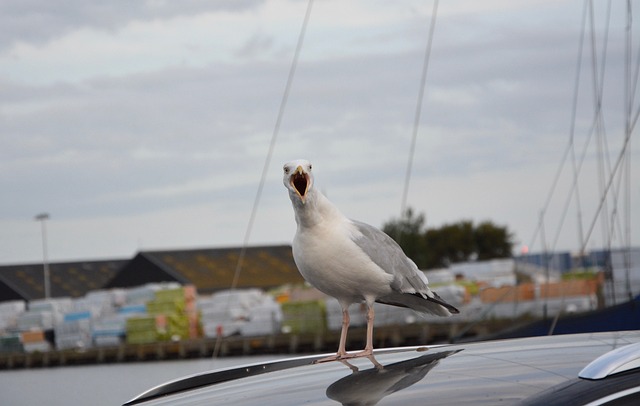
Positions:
{"x": 74, "y": 331}
{"x": 35, "y": 341}
{"x": 170, "y": 315}
{"x": 11, "y": 343}
{"x": 140, "y": 327}
{"x": 334, "y": 314}
{"x": 264, "y": 319}
{"x": 178, "y": 307}
{"x": 223, "y": 313}
{"x": 10, "y": 338}
{"x": 9, "y": 313}
{"x": 43, "y": 314}
{"x": 36, "y": 325}
{"x": 111, "y": 330}
{"x": 248, "y": 312}
{"x": 146, "y": 329}
{"x": 304, "y": 317}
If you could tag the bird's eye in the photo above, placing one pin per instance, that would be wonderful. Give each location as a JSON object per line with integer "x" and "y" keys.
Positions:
{"x": 286, "y": 170}
{"x": 309, "y": 167}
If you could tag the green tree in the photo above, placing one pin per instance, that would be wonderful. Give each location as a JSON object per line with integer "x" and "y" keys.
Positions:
{"x": 492, "y": 241}
{"x": 408, "y": 233}
{"x": 451, "y": 243}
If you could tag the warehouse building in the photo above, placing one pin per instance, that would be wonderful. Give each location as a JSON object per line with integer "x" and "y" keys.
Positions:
{"x": 208, "y": 269}
{"x": 67, "y": 279}
{"x": 211, "y": 270}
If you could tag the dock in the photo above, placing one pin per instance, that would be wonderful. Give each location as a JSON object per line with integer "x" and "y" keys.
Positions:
{"x": 384, "y": 336}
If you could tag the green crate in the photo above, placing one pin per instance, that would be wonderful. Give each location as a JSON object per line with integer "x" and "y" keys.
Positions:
{"x": 170, "y": 295}
{"x": 11, "y": 343}
{"x": 142, "y": 337}
{"x": 165, "y": 306}
{"x": 141, "y": 323}
{"x": 304, "y": 317}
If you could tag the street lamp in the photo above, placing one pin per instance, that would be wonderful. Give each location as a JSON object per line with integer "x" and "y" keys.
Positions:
{"x": 42, "y": 217}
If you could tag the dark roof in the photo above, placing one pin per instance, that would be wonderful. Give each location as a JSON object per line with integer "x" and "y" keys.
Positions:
{"x": 72, "y": 279}
{"x": 212, "y": 269}
{"x": 209, "y": 269}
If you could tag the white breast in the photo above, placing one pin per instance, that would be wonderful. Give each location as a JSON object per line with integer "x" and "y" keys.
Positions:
{"x": 330, "y": 261}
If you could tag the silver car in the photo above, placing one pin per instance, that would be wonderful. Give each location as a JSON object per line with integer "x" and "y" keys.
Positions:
{"x": 582, "y": 369}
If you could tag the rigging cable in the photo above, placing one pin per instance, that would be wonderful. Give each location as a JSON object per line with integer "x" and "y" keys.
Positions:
{"x": 615, "y": 217}
{"x": 601, "y": 132}
{"x": 416, "y": 121}
{"x": 623, "y": 153}
{"x": 567, "y": 202}
{"x": 576, "y": 168}
{"x": 629, "y": 101}
{"x": 597, "y": 126}
{"x": 597, "y": 81}
{"x": 274, "y": 137}
{"x": 565, "y": 154}
{"x": 263, "y": 177}
{"x": 616, "y": 166}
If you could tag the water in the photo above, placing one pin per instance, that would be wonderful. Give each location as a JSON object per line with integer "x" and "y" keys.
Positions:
{"x": 108, "y": 384}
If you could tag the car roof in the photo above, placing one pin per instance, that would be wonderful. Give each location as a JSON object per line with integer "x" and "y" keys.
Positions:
{"x": 506, "y": 371}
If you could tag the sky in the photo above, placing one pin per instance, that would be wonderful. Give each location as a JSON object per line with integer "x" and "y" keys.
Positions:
{"x": 145, "y": 125}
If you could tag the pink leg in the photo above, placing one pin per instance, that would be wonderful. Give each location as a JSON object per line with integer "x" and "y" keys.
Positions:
{"x": 342, "y": 351}
{"x": 342, "y": 355}
{"x": 368, "y": 348}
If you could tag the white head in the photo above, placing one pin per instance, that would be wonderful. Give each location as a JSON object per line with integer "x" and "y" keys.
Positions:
{"x": 298, "y": 179}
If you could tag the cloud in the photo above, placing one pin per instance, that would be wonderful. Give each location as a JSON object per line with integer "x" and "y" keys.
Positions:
{"x": 159, "y": 113}
{"x": 39, "y": 22}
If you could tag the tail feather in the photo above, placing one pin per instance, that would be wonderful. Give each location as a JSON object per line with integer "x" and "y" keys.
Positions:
{"x": 420, "y": 302}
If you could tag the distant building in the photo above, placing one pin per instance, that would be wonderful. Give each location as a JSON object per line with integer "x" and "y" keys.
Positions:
{"x": 495, "y": 272}
{"x": 620, "y": 266}
{"x": 265, "y": 267}
{"x": 209, "y": 269}
{"x": 68, "y": 279}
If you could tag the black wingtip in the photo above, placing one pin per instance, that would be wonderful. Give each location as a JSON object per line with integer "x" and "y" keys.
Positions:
{"x": 437, "y": 299}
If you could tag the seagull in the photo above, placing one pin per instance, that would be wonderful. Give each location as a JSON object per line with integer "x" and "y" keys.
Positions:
{"x": 352, "y": 261}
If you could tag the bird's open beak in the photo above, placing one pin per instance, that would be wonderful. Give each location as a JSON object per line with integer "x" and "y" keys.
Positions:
{"x": 300, "y": 182}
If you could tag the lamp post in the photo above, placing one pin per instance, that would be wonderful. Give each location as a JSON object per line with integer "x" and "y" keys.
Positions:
{"x": 42, "y": 217}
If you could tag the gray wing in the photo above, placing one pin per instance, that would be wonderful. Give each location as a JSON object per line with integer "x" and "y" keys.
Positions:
{"x": 388, "y": 255}
{"x": 410, "y": 288}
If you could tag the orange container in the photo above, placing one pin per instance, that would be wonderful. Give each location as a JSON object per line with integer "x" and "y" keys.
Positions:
{"x": 32, "y": 336}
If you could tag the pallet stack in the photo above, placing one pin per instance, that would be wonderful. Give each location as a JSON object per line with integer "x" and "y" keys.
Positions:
{"x": 170, "y": 315}
{"x": 308, "y": 317}
{"x": 247, "y": 312}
